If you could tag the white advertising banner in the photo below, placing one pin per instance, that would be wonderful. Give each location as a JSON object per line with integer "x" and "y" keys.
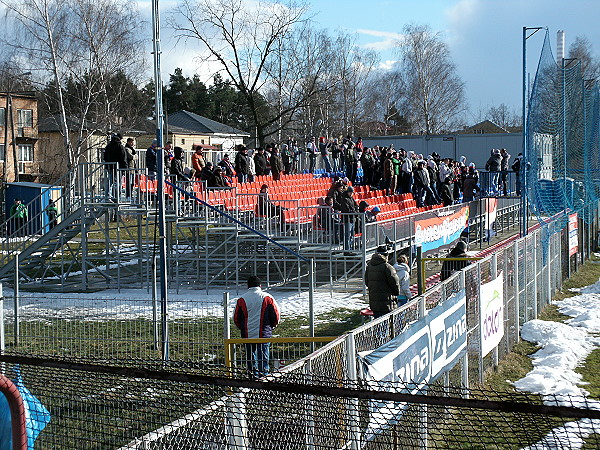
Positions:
{"x": 491, "y": 319}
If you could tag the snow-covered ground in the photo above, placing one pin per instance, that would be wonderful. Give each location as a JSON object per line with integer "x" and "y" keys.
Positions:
{"x": 564, "y": 347}
{"x": 129, "y": 304}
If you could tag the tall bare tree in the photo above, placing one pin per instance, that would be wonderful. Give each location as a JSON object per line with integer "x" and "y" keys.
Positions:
{"x": 581, "y": 49}
{"x": 252, "y": 44}
{"x": 434, "y": 93}
{"x": 76, "y": 42}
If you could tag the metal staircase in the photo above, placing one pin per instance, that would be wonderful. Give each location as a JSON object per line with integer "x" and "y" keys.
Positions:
{"x": 81, "y": 205}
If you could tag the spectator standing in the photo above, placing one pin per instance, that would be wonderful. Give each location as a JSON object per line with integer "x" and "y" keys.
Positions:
{"x": 504, "y": 168}
{"x": 324, "y": 150}
{"x": 335, "y": 155}
{"x": 348, "y": 208}
{"x": 276, "y": 164}
{"x": 407, "y": 173}
{"x": 52, "y": 213}
{"x": 130, "y": 152}
{"x": 493, "y": 165}
{"x": 383, "y": 283}
{"x": 446, "y": 192}
{"x": 403, "y": 272}
{"x": 256, "y": 314}
{"x": 516, "y": 168}
{"x": 470, "y": 184}
{"x": 151, "y": 161}
{"x": 449, "y": 267}
{"x": 260, "y": 162}
{"x": 198, "y": 162}
{"x": 287, "y": 157}
{"x": 311, "y": 149}
{"x": 116, "y": 157}
{"x": 19, "y": 216}
{"x": 242, "y": 163}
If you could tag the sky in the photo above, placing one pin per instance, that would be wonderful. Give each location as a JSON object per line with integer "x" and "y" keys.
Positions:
{"x": 484, "y": 36}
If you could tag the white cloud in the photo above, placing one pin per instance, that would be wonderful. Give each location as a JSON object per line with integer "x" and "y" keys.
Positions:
{"x": 389, "y": 41}
{"x": 388, "y": 64}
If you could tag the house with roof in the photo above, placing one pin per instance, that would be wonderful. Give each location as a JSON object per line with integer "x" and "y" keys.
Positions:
{"x": 53, "y": 156}
{"x": 186, "y": 129}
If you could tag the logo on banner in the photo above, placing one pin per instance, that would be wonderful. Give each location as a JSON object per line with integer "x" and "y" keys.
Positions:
{"x": 426, "y": 349}
{"x": 436, "y": 232}
{"x": 492, "y": 314}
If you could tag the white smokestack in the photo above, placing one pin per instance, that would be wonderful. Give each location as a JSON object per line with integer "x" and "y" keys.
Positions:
{"x": 560, "y": 46}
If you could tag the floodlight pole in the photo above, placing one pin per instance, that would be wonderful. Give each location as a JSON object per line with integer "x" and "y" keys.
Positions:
{"x": 525, "y": 157}
{"x": 160, "y": 189}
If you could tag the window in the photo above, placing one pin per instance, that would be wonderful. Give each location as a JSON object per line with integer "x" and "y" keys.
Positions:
{"x": 2, "y": 117}
{"x": 25, "y": 152}
{"x": 1, "y": 152}
{"x": 183, "y": 141}
{"x": 24, "y": 118}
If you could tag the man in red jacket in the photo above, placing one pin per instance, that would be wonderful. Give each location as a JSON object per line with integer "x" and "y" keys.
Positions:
{"x": 256, "y": 314}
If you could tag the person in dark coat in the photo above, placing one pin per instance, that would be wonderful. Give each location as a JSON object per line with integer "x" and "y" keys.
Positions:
{"x": 176, "y": 168}
{"x": 114, "y": 152}
{"x": 276, "y": 164}
{"x": 207, "y": 174}
{"x": 218, "y": 180}
{"x": 446, "y": 192}
{"x": 383, "y": 283}
{"x": 260, "y": 162}
{"x": 151, "y": 164}
{"x": 226, "y": 165}
{"x": 242, "y": 164}
{"x": 349, "y": 208}
{"x": 449, "y": 267}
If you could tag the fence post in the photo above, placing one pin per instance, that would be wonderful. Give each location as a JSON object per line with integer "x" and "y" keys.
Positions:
{"x": 311, "y": 299}
{"x": 353, "y": 413}
{"x": 420, "y": 277}
{"x": 155, "y": 306}
{"x": 310, "y": 417}
{"x": 535, "y": 276}
{"x": 495, "y": 358}
{"x": 480, "y": 334}
{"x": 226, "y": 322}
{"x": 16, "y": 302}
{"x": 236, "y": 426}
{"x": 517, "y": 285}
{"x": 464, "y": 367}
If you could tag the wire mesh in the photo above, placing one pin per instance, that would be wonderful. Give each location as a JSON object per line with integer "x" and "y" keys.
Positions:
{"x": 562, "y": 137}
{"x": 112, "y": 407}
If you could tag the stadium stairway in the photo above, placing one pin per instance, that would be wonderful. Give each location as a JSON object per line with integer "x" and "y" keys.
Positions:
{"x": 34, "y": 250}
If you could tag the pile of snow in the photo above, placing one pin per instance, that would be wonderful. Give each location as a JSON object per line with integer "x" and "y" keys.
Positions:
{"x": 564, "y": 347}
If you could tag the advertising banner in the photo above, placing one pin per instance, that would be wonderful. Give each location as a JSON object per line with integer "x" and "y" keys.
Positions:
{"x": 442, "y": 230}
{"x": 491, "y": 319}
{"x": 426, "y": 349}
{"x": 573, "y": 237}
{"x": 491, "y": 211}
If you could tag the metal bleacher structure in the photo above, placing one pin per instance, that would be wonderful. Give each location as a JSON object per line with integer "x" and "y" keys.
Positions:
{"x": 215, "y": 237}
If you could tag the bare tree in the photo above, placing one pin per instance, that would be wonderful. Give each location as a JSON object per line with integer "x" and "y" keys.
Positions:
{"x": 77, "y": 44}
{"x": 434, "y": 93}
{"x": 581, "y": 49}
{"x": 247, "y": 40}
{"x": 503, "y": 116}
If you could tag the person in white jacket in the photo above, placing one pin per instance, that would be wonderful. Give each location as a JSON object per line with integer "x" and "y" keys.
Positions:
{"x": 403, "y": 272}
